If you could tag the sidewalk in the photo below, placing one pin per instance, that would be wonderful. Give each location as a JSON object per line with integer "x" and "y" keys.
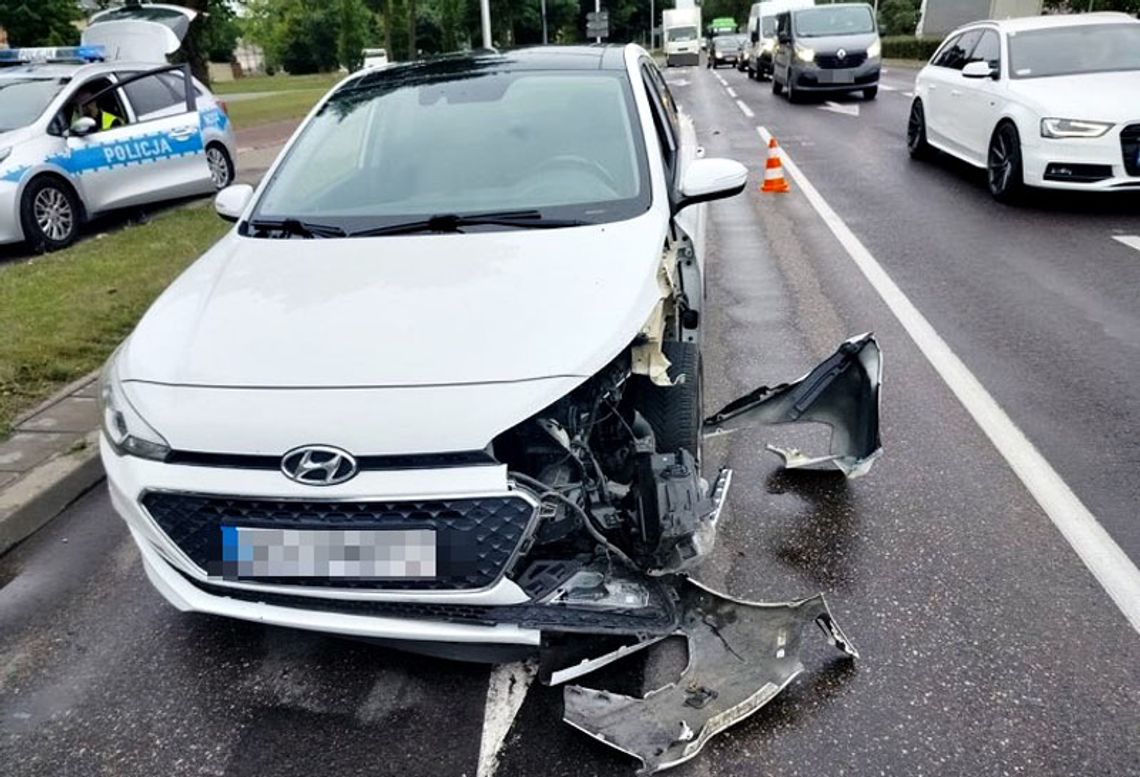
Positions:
{"x": 51, "y": 457}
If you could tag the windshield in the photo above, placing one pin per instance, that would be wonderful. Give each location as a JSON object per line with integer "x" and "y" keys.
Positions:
{"x": 768, "y": 26}
{"x": 682, "y": 33}
{"x": 24, "y": 99}
{"x": 824, "y": 21}
{"x": 400, "y": 145}
{"x": 1088, "y": 48}
{"x": 728, "y": 42}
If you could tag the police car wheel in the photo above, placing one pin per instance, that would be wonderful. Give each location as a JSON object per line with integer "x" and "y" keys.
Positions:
{"x": 221, "y": 168}
{"x": 50, "y": 215}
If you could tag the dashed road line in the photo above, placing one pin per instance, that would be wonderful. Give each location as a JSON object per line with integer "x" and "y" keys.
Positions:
{"x": 731, "y": 92}
{"x": 718, "y": 78}
{"x": 745, "y": 109}
{"x": 1132, "y": 241}
{"x": 1101, "y": 555}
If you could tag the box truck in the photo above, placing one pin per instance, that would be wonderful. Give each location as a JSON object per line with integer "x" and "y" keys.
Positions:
{"x": 938, "y": 18}
{"x": 681, "y": 36}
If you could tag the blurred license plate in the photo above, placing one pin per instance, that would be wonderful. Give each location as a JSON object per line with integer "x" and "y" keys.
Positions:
{"x": 836, "y": 76}
{"x": 327, "y": 553}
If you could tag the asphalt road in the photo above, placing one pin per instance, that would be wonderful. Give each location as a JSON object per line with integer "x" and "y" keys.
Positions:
{"x": 987, "y": 647}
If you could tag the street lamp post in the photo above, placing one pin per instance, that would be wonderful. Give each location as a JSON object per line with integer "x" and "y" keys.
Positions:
{"x": 544, "y": 40}
{"x": 485, "y": 12}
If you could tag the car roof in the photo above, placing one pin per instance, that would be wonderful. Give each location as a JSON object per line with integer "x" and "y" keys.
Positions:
{"x": 589, "y": 57}
{"x": 72, "y": 69}
{"x": 830, "y": 5}
{"x": 1053, "y": 21}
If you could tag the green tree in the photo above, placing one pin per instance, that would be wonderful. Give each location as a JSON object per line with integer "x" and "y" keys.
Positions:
{"x": 355, "y": 28}
{"x": 40, "y": 22}
{"x": 898, "y": 17}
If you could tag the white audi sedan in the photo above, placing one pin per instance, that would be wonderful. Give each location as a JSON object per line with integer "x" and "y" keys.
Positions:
{"x": 441, "y": 383}
{"x": 1048, "y": 101}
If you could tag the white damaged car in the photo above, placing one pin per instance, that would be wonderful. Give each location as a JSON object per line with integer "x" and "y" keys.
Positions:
{"x": 441, "y": 386}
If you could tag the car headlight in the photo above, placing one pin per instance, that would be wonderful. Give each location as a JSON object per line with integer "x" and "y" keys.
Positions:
{"x": 126, "y": 430}
{"x": 875, "y": 49}
{"x": 805, "y": 54}
{"x": 1073, "y": 128}
{"x": 4, "y": 152}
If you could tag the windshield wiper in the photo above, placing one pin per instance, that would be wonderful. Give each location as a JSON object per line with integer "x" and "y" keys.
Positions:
{"x": 453, "y": 222}
{"x": 298, "y": 228}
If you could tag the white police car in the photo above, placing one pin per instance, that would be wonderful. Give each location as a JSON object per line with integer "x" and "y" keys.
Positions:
{"x": 97, "y": 127}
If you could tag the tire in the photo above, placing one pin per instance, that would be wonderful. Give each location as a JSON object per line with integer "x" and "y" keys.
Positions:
{"x": 221, "y": 166}
{"x": 675, "y": 412}
{"x": 870, "y": 93}
{"x": 1003, "y": 164}
{"x": 916, "y": 132}
{"x": 777, "y": 88}
{"x": 793, "y": 93}
{"x": 50, "y": 214}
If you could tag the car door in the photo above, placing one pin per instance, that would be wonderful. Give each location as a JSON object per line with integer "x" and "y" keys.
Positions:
{"x": 981, "y": 98}
{"x": 782, "y": 55}
{"x": 156, "y": 153}
{"x": 943, "y": 86}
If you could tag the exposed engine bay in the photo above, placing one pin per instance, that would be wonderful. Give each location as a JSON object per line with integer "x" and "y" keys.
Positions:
{"x": 626, "y": 511}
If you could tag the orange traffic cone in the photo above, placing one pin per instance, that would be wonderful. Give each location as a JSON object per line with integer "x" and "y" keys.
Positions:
{"x": 774, "y": 182}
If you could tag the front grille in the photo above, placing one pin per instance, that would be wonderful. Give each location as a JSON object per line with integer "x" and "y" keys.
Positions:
{"x": 1130, "y": 146}
{"x": 476, "y": 538}
{"x": 833, "y": 62}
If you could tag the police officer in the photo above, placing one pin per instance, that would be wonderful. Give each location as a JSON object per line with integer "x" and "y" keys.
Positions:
{"x": 85, "y": 106}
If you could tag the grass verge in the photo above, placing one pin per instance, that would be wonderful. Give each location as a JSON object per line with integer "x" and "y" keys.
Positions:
{"x": 278, "y": 107}
{"x": 62, "y": 314}
{"x": 282, "y": 83}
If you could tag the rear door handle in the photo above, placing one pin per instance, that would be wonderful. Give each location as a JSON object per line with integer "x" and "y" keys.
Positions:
{"x": 182, "y": 132}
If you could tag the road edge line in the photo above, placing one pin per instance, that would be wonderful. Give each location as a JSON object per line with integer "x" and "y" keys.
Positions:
{"x": 1109, "y": 565}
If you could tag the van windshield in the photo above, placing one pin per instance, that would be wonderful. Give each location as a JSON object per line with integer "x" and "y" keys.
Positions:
{"x": 768, "y": 26}
{"x": 682, "y": 33}
{"x": 404, "y": 144}
{"x": 825, "y": 21}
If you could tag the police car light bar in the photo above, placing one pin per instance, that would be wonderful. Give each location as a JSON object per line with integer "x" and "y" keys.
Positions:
{"x": 52, "y": 54}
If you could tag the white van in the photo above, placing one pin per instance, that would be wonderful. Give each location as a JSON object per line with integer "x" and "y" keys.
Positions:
{"x": 374, "y": 58}
{"x": 762, "y": 34}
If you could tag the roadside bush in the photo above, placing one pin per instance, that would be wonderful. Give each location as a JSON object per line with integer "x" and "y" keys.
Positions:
{"x": 909, "y": 47}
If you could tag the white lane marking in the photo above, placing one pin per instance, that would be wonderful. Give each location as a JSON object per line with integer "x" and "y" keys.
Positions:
{"x": 847, "y": 110}
{"x": 886, "y": 88}
{"x": 716, "y": 75}
{"x": 1132, "y": 241}
{"x": 731, "y": 92}
{"x": 506, "y": 690}
{"x": 1109, "y": 565}
{"x": 745, "y": 109}
{"x": 908, "y": 94}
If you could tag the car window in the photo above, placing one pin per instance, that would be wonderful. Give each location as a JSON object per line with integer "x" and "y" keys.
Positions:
{"x": 666, "y": 125}
{"x": 161, "y": 94}
{"x": 784, "y": 24}
{"x": 24, "y": 99}
{"x": 1086, "y": 48}
{"x": 412, "y": 143}
{"x": 94, "y": 99}
{"x": 956, "y": 52}
{"x": 988, "y": 49}
{"x": 768, "y": 26}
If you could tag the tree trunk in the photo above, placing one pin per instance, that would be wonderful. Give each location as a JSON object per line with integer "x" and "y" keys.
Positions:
{"x": 412, "y": 51}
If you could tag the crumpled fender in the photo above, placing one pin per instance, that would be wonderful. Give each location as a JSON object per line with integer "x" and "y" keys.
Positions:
{"x": 842, "y": 392}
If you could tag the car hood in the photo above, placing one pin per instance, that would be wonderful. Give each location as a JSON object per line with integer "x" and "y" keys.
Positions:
{"x": 14, "y": 137}
{"x": 830, "y": 44}
{"x": 408, "y": 311}
{"x": 1091, "y": 96}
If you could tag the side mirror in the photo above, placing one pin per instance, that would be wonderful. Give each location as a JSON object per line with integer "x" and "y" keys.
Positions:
{"x": 84, "y": 125}
{"x": 231, "y": 201}
{"x": 978, "y": 70}
{"x": 711, "y": 179}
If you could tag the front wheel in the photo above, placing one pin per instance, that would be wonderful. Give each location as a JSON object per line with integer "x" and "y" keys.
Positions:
{"x": 916, "y": 132}
{"x": 49, "y": 214}
{"x": 777, "y": 88}
{"x": 221, "y": 166}
{"x": 674, "y": 411}
{"x": 870, "y": 93}
{"x": 793, "y": 93}
{"x": 1003, "y": 169}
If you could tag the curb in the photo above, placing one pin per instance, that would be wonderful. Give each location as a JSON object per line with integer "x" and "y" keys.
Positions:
{"x": 44, "y": 492}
